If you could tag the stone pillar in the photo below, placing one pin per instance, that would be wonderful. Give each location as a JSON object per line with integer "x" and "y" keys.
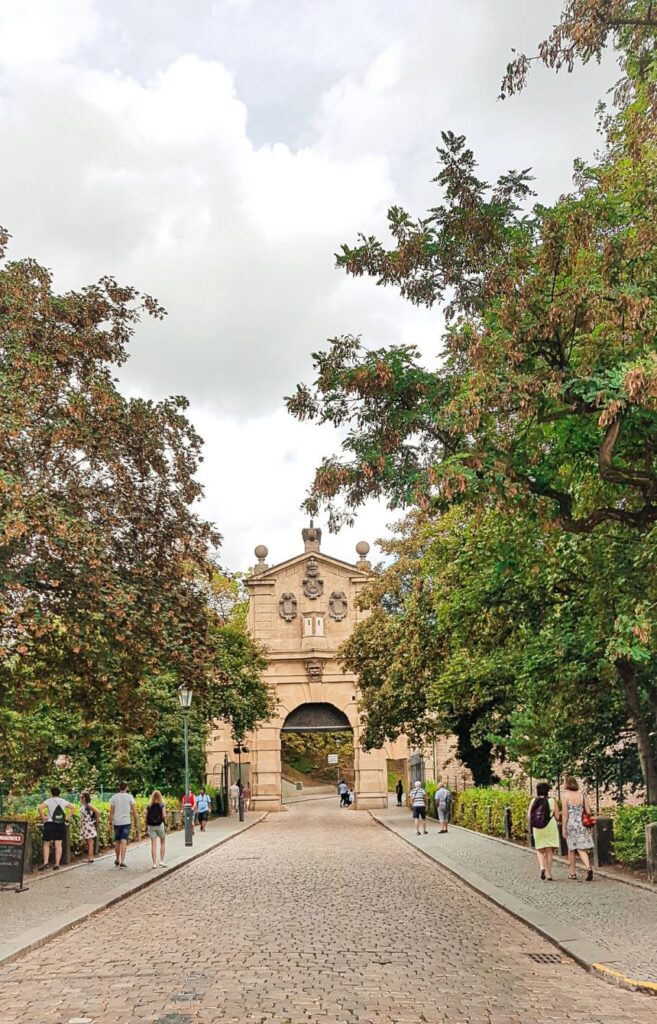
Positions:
{"x": 371, "y": 772}
{"x": 651, "y": 851}
{"x": 266, "y": 769}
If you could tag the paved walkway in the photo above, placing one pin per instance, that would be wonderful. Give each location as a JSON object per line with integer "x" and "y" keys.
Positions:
{"x": 606, "y": 922}
{"x": 315, "y": 915}
{"x": 55, "y": 899}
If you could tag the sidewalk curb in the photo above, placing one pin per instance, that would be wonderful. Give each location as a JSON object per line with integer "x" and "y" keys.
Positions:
{"x": 593, "y": 964}
{"x": 150, "y": 880}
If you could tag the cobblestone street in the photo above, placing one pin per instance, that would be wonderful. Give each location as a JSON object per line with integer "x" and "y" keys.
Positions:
{"x": 315, "y": 914}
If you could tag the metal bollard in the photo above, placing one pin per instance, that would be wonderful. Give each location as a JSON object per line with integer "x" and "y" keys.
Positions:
{"x": 508, "y": 823}
{"x": 651, "y": 851}
{"x": 603, "y": 842}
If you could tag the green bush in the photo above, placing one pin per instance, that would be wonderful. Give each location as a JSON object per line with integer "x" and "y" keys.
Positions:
{"x": 482, "y": 809}
{"x": 430, "y": 789}
{"x": 629, "y": 833}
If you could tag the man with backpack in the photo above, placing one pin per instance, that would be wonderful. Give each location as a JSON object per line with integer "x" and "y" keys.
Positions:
{"x": 53, "y": 814}
{"x": 443, "y": 800}
{"x": 203, "y": 806}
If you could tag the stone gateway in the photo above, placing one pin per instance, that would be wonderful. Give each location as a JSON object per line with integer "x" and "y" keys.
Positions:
{"x": 302, "y": 610}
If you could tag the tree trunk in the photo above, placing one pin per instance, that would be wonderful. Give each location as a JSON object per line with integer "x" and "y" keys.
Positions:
{"x": 627, "y": 673}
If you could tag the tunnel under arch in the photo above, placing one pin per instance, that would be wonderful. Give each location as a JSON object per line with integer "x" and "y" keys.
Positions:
{"x": 316, "y": 717}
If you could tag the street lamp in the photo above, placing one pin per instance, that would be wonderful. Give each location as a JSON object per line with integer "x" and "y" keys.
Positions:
{"x": 240, "y": 749}
{"x": 185, "y": 698}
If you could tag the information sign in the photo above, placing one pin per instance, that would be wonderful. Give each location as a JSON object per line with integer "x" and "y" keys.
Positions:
{"x": 13, "y": 839}
{"x": 332, "y": 758}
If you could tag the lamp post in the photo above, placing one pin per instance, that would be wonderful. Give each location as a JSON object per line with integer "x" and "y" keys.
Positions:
{"x": 240, "y": 749}
{"x": 185, "y": 698}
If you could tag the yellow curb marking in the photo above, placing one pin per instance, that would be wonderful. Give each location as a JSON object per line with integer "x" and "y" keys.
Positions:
{"x": 650, "y": 986}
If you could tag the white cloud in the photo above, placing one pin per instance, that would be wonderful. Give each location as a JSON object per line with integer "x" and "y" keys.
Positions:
{"x": 217, "y": 156}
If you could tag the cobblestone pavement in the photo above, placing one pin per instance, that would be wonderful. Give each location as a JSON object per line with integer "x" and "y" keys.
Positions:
{"x": 55, "y": 898}
{"x": 313, "y": 915}
{"x": 619, "y": 917}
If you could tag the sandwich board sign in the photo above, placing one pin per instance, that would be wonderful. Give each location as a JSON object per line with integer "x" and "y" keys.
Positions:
{"x": 13, "y": 842}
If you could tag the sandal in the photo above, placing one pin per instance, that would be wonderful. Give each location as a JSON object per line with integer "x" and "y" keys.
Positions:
{"x": 573, "y": 877}
{"x": 542, "y": 874}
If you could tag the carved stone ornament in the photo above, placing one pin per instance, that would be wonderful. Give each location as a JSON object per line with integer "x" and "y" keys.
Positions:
{"x": 313, "y": 584}
{"x": 287, "y": 607}
{"x": 338, "y": 605}
{"x": 314, "y": 670}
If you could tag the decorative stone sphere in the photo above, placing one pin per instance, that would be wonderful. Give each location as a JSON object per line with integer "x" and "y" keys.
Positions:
{"x": 261, "y": 552}
{"x": 362, "y": 548}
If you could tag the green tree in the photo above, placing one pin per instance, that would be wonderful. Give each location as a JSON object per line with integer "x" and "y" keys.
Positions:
{"x": 544, "y": 404}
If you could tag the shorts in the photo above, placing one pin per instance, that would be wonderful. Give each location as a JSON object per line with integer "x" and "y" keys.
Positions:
{"x": 156, "y": 831}
{"x": 54, "y": 830}
{"x": 443, "y": 813}
{"x": 420, "y": 812}
{"x": 121, "y": 832}
{"x": 203, "y": 815}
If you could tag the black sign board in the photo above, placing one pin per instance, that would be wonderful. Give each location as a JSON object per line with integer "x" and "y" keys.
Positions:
{"x": 13, "y": 840}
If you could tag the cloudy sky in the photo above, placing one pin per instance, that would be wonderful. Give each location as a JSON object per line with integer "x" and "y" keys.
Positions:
{"x": 215, "y": 153}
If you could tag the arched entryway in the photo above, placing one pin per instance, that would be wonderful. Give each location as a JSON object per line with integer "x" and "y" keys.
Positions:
{"x": 317, "y": 751}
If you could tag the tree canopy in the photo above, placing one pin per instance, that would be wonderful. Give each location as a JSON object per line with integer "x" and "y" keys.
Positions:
{"x": 108, "y": 574}
{"x": 543, "y": 406}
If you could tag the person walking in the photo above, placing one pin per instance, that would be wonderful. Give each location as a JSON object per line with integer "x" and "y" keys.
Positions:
{"x": 543, "y": 817}
{"x": 123, "y": 811}
{"x": 419, "y": 805}
{"x": 54, "y": 813}
{"x": 246, "y": 797}
{"x": 156, "y": 818}
{"x": 579, "y": 836}
{"x": 191, "y": 800}
{"x": 235, "y": 797}
{"x": 89, "y": 819}
{"x": 203, "y": 805}
{"x": 443, "y": 801}
{"x": 399, "y": 790}
{"x": 343, "y": 792}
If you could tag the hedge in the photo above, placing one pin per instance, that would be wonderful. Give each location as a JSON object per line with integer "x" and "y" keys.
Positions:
{"x": 105, "y": 833}
{"x": 629, "y": 833}
{"x": 482, "y": 810}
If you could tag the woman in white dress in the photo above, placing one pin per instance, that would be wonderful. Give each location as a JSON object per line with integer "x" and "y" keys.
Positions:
{"x": 578, "y": 836}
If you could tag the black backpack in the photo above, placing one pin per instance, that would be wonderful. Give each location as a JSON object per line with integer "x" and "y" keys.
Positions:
{"x": 154, "y": 814}
{"x": 58, "y": 814}
{"x": 541, "y": 812}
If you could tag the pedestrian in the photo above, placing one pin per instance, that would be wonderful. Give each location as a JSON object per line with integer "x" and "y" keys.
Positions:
{"x": 443, "y": 801}
{"x": 419, "y": 805}
{"x": 203, "y": 806}
{"x": 53, "y": 813}
{"x": 123, "y": 811}
{"x": 246, "y": 797}
{"x": 156, "y": 818}
{"x": 343, "y": 792}
{"x": 235, "y": 797}
{"x": 576, "y": 812}
{"x": 351, "y": 796}
{"x": 191, "y": 800}
{"x": 399, "y": 790}
{"x": 89, "y": 820}
{"x": 543, "y": 815}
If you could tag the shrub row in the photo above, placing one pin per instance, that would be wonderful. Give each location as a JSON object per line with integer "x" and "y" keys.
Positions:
{"x": 105, "y": 833}
{"x": 482, "y": 810}
{"x": 629, "y": 833}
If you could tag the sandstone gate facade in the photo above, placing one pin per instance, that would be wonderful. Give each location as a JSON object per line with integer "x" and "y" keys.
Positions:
{"x": 301, "y": 610}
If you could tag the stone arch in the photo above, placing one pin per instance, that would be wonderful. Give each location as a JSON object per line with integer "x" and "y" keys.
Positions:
{"x": 316, "y": 716}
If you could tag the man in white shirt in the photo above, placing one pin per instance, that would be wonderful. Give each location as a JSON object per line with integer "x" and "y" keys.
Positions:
{"x": 419, "y": 805}
{"x": 235, "y": 797}
{"x": 443, "y": 800}
{"x": 122, "y": 811}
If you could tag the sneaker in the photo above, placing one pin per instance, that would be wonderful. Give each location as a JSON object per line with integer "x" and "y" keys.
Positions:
{"x": 55, "y": 867}
{"x": 153, "y": 865}
{"x": 163, "y": 864}
{"x": 123, "y": 865}
{"x": 43, "y": 867}
{"x": 116, "y": 864}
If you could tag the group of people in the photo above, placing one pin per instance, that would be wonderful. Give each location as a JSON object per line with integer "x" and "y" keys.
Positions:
{"x": 237, "y": 790}
{"x": 55, "y": 811}
{"x": 419, "y": 803}
{"x": 544, "y": 816}
{"x": 576, "y": 820}
{"x": 346, "y": 795}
